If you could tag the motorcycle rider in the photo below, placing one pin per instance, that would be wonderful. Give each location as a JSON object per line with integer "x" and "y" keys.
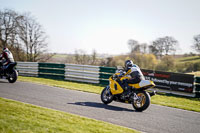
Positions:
{"x": 7, "y": 57}
{"x": 134, "y": 73}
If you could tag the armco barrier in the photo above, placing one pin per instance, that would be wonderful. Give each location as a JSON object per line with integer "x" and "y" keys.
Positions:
{"x": 175, "y": 83}
{"x": 105, "y": 73}
{"x": 71, "y": 72}
{"x": 28, "y": 69}
{"x": 197, "y": 87}
{"x": 51, "y": 70}
{"x": 82, "y": 73}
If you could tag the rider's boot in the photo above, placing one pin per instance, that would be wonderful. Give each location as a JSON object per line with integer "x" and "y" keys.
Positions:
{"x": 126, "y": 91}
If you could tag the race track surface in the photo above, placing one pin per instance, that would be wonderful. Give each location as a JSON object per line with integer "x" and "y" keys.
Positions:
{"x": 156, "y": 119}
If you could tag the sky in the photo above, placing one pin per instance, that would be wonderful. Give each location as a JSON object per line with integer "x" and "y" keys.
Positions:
{"x": 106, "y": 25}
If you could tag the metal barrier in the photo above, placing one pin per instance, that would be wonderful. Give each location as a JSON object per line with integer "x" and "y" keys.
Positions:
{"x": 51, "y": 70}
{"x": 28, "y": 69}
{"x": 71, "y": 72}
{"x": 197, "y": 87}
{"x": 82, "y": 73}
{"x": 175, "y": 83}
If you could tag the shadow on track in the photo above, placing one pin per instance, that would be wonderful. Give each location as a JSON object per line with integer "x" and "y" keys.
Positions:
{"x": 101, "y": 105}
{"x": 2, "y": 81}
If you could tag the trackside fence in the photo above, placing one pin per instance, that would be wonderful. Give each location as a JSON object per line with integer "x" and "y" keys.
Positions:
{"x": 175, "y": 83}
{"x": 28, "y": 69}
{"x": 197, "y": 86}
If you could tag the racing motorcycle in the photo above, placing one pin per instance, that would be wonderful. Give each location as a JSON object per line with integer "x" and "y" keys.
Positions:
{"x": 137, "y": 94}
{"x": 9, "y": 72}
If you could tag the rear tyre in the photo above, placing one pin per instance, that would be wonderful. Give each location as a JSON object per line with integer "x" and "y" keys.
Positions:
{"x": 141, "y": 101}
{"x": 106, "y": 95}
{"x": 12, "y": 76}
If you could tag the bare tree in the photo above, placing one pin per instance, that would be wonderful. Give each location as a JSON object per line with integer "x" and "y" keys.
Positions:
{"x": 133, "y": 44}
{"x": 81, "y": 57}
{"x": 143, "y": 48}
{"x": 94, "y": 57}
{"x": 32, "y": 37}
{"x": 165, "y": 45}
{"x": 8, "y": 27}
{"x": 9, "y": 32}
{"x": 196, "y": 45}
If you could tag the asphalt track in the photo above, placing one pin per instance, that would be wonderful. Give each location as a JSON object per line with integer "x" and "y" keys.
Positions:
{"x": 156, "y": 119}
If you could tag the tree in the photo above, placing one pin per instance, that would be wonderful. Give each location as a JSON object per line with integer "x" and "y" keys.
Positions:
{"x": 165, "y": 45}
{"x": 143, "y": 48}
{"x": 9, "y": 32}
{"x": 196, "y": 45}
{"x": 81, "y": 57}
{"x": 8, "y": 27}
{"x": 132, "y": 44}
{"x": 94, "y": 57}
{"x": 22, "y": 35}
{"x": 32, "y": 37}
{"x": 167, "y": 63}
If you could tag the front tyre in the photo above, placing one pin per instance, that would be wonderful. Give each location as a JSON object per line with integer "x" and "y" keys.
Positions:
{"x": 12, "y": 77}
{"x": 106, "y": 95}
{"x": 141, "y": 100}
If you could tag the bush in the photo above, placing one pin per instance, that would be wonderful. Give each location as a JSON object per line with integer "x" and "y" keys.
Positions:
{"x": 188, "y": 67}
{"x": 167, "y": 63}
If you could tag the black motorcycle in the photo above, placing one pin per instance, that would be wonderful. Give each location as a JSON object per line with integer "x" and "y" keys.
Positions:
{"x": 9, "y": 72}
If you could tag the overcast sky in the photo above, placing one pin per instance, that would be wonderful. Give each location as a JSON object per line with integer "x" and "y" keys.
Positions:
{"x": 107, "y": 25}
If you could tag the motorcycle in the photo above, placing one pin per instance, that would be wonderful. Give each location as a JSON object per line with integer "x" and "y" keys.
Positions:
{"x": 9, "y": 72}
{"x": 137, "y": 94}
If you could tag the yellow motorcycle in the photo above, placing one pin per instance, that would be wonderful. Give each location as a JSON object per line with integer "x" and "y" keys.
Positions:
{"x": 137, "y": 96}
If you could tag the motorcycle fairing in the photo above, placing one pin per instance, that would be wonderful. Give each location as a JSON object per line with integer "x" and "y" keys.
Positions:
{"x": 142, "y": 84}
{"x": 115, "y": 87}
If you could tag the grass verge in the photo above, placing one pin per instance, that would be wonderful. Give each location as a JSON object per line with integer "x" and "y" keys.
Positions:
{"x": 17, "y": 117}
{"x": 191, "y": 104}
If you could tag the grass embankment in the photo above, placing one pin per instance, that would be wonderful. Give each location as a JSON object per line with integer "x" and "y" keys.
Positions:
{"x": 192, "y": 104}
{"x": 17, "y": 117}
{"x": 189, "y": 59}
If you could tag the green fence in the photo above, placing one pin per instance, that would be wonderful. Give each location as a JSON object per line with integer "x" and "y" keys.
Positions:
{"x": 105, "y": 73}
{"x": 88, "y": 74}
{"x": 51, "y": 70}
{"x": 58, "y": 71}
{"x": 197, "y": 87}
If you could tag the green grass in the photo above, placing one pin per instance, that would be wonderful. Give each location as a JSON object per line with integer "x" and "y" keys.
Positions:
{"x": 192, "y": 104}
{"x": 192, "y": 59}
{"x": 64, "y": 84}
{"x": 17, "y": 117}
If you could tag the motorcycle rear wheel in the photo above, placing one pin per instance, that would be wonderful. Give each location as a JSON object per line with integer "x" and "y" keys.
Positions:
{"x": 141, "y": 101}
{"x": 106, "y": 95}
{"x": 12, "y": 76}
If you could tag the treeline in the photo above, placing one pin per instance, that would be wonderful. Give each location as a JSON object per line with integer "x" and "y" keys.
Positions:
{"x": 23, "y": 35}
{"x": 149, "y": 61}
{"x": 159, "y": 55}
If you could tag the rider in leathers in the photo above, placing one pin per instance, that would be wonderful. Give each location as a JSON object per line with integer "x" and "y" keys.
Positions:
{"x": 135, "y": 74}
{"x": 6, "y": 57}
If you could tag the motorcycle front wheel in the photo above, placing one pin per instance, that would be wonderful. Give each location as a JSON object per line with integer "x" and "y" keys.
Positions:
{"x": 141, "y": 100}
{"x": 106, "y": 95}
{"x": 12, "y": 77}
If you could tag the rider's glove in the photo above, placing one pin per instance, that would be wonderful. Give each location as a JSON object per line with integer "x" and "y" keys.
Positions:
{"x": 115, "y": 76}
